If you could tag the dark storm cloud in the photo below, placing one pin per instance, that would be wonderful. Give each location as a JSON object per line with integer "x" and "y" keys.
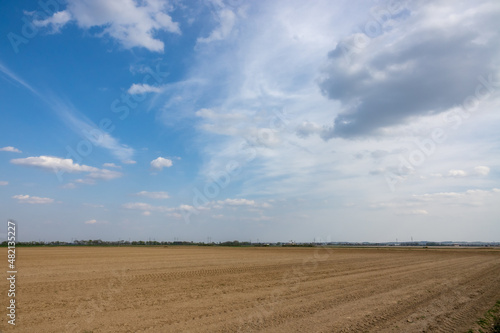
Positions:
{"x": 399, "y": 75}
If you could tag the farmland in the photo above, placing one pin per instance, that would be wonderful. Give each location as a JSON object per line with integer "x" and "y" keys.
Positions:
{"x": 223, "y": 289}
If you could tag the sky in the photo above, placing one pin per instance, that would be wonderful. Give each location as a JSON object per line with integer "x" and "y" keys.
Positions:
{"x": 265, "y": 121}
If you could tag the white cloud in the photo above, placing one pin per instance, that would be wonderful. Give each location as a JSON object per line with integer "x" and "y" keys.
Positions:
{"x": 482, "y": 170}
{"x": 140, "y": 206}
{"x": 111, "y": 165}
{"x": 237, "y": 202}
{"x": 32, "y": 200}
{"x": 457, "y": 173}
{"x": 142, "y": 89}
{"x": 19, "y": 80}
{"x": 170, "y": 211}
{"x": 456, "y": 197}
{"x": 307, "y": 128}
{"x": 10, "y": 149}
{"x": 226, "y": 19}
{"x": 211, "y": 114}
{"x": 86, "y": 181}
{"x": 148, "y": 208}
{"x": 367, "y": 66}
{"x": 105, "y": 174}
{"x": 161, "y": 163}
{"x": 56, "y": 21}
{"x": 153, "y": 195}
{"x": 53, "y": 163}
{"x": 131, "y": 23}
{"x": 91, "y": 222}
{"x": 418, "y": 212}
{"x": 57, "y": 164}
{"x": 129, "y": 162}
{"x": 96, "y": 135}
{"x": 4, "y": 183}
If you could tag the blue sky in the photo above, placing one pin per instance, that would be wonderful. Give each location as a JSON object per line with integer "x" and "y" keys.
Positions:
{"x": 276, "y": 120}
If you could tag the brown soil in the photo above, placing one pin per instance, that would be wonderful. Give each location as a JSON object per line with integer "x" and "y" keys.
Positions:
{"x": 206, "y": 289}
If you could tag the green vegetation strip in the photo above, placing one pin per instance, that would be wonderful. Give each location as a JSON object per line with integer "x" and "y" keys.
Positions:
{"x": 490, "y": 323}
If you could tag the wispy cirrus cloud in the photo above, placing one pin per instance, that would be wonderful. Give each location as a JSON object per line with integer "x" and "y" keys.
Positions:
{"x": 89, "y": 130}
{"x": 78, "y": 122}
{"x": 153, "y": 195}
{"x": 226, "y": 20}
{"x": 17, "y": 80}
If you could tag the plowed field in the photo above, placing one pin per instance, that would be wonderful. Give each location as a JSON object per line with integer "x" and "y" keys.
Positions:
{"x": 209, "y": 289}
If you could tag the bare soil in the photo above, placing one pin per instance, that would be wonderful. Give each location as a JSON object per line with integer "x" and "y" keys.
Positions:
{"x": 214, "y": 289}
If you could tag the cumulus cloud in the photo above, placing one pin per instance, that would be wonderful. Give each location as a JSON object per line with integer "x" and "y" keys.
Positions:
{"x": 53, "y": 163}
{"x": 410, "y": 68}
{"x": 91, "y": 221}
{"x": 4, "y": 183}
{"x": 131, "y": 23}
{"x": 153, "y": 195}
{"x": 32, "y": 200}
{"x": 418, "y": 212}
{"x": 10, "y": 149}
{"x": 161, "y": 163}
{"x": 457, "y": 173}
{"x": 142, "y": 89}
{"x": 57, "y": 164}
{"x": 111, "y": 165}
{"x": 129, "y": 162}
{"x": 56, "y": 21}
{"x": 481, "y": 170}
